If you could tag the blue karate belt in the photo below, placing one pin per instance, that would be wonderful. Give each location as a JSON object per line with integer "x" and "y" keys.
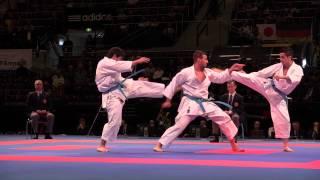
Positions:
{"x": 119, "y": 86}
{"x": 200, "y": 101}
{"x": 282, "y": 94}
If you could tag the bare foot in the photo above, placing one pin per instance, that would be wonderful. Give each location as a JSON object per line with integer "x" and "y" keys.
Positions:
{"x": 287, "y": 149}
{"x": 238, "y": 150}
{"x": 235, "y": 147}
{"x": 158, "y": 148}
{"x": 102, "y": 149}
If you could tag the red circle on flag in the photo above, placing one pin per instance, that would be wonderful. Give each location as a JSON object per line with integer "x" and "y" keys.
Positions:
{"x": 268, "y": 31}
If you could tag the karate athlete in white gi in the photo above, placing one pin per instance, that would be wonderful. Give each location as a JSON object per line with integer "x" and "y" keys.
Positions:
{"x": 285, "y": 75}
{"x": 115, "y": 90}
{"x": 194, "y": 82}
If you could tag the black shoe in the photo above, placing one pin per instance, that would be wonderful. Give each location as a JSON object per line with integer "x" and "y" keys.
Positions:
{"x": 215, "y": 139}
{"x": 47, "y": 136}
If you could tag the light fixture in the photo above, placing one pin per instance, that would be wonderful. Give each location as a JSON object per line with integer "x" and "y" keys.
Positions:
{"x": 61, "y": 41}
{"x": 88, "y": 29}
{"x": 304, "y": 62}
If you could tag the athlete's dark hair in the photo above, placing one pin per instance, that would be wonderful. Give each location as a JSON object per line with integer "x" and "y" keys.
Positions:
{"x": 116, "y": 51}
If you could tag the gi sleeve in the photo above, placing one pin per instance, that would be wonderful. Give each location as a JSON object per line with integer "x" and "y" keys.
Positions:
{"x": 176, "y": 82}
{"x": 218, "y": 77}
{"x": 118, "y": 66}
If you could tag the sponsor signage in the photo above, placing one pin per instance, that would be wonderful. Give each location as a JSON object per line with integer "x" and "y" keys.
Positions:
{"x": 11, "y": 58}
{"x": 93, "y": 17}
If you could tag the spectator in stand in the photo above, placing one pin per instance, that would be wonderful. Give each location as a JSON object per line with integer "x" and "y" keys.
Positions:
{"x": 82, "y": 127}
{"x": 58, "y": 84}
{"x": 152, "y": 129}
{"x": 157, "y": 75}
{"x": 296, "y": 132}
{"x": 314, "y": 133}
{"x": 271, "y": 133}
{"x": 257, "y": 132}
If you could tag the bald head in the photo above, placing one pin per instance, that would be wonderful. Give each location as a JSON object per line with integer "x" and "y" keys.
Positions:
{"x": 38, "y": 85}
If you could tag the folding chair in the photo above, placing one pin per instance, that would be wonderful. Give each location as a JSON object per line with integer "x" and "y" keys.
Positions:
{"x": 29, "y": 127}
{"x": 28, "y": 123}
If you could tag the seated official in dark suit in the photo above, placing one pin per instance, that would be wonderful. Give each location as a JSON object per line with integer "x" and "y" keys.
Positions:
{"x": 39, "y": 106}
{"x": 236, "y": 101}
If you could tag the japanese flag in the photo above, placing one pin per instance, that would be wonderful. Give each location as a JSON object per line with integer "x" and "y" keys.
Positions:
{"x": 267, "y": 31}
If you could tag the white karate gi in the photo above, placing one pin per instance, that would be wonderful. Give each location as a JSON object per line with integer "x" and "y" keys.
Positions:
{"x": 108, "y": 74}
{"x": 188, "y": 109}
{"x": 260, "y": 81}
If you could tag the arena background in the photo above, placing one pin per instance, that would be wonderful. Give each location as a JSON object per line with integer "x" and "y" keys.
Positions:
{"x": 40, "y": 39}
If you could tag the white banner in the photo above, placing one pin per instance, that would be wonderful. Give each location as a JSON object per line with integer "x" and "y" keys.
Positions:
{"x": 11, "y": 58}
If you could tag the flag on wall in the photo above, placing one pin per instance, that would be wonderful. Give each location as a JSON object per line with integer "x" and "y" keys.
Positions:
{"x": 267, "y": 31}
